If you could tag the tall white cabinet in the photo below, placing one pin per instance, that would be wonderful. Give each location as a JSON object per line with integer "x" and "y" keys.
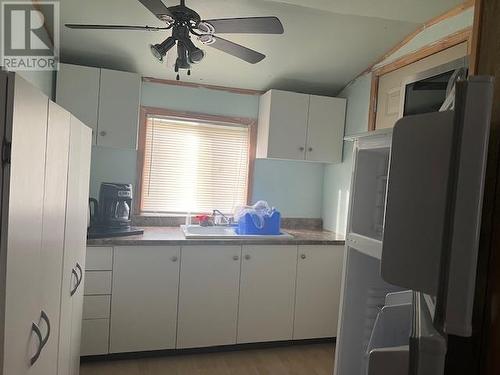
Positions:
{"x": 107, "y": 100}
{"x": 39, "y": 199}
{"x": 296, "y": 126}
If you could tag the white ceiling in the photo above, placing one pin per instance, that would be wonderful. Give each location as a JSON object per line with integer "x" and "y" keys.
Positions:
{"x": 325, "y": 45}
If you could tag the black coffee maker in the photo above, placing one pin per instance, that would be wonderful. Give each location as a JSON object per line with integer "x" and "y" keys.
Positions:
{"x": 111, "y": 215}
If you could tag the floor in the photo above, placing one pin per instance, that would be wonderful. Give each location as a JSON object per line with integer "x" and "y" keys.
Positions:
{"x": 314, "y": 359}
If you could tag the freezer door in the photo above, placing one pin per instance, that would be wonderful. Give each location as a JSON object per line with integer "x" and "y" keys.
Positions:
{"x": 416, "y": 204}
{"x": 427, "y": 345}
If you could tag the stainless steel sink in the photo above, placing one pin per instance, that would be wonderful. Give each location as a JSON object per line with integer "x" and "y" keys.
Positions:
{"x": 218, "y": 232}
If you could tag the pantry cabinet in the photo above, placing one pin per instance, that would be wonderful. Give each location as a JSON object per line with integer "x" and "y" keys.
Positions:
{"x": 45, "y": 181}
{"x": 208, "y": 296}
{"x": 317, "y": 300}
{"x": 296, "y": 126}
{"x": 75, "y": 248}
{"x": 144, "y": 298}
{"x": 107, "y": 100}
{"x": 267, "y": 293}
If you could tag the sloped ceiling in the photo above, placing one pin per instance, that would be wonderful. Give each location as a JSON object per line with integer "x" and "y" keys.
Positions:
{"x": 326, "y": 42}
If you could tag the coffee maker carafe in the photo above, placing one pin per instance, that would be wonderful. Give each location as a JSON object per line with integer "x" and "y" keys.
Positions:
{"x": 111, "y": 215}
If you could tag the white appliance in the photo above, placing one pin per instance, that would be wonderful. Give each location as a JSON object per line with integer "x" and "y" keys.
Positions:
{"x": 432, "y": 90}
{"x": 413, "y": 232}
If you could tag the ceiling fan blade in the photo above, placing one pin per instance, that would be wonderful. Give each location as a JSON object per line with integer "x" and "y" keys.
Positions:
{"x": 237, "y": 50}
{"x": 249, "y": 25}
{"x": 114, "y": 27}
{"x": 157, "y": 7}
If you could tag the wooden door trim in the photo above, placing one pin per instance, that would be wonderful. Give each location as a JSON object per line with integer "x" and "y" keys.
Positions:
{"x": 448, "y": 14}
{"x": 461, "y": 36}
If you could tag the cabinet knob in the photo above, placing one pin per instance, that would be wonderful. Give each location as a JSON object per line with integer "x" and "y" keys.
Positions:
{"x": 310, "y": 149}
{"x": 102, "y": 133}
{"x": 247, "y": 257}
{"x": 236, "y": 257}
{"x": 301, "y": 148}
{"x": 303, "y": 256}
{"x": 174, "y": 258}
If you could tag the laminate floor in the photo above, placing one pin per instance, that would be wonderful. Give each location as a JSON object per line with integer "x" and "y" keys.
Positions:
{"x": 313, "y": 359}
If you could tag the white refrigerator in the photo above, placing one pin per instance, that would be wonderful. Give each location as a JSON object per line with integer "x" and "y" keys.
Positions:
{"x": 412, "y": 243}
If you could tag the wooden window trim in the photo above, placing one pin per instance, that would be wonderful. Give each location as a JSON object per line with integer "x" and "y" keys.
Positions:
{"x": 449, "y": 41}
{"x": 232, "y": 90}
{"x": 154, "y": 111}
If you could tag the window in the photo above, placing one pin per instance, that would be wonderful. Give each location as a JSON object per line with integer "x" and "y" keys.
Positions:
{"x": 193, "y": 164}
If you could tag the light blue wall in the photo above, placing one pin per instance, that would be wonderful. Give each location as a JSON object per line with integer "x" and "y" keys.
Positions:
{"x": 337, "y": 177}
{"x": 43, "y": 80}
{"x": 295, "y": 188}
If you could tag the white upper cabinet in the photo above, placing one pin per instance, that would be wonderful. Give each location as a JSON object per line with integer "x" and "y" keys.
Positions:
{"x": 78, "y": 91}
{"x": 282, "y": 125}
{"x": 295, "y": 126}
{"x": 119, "y": 98}
{"x": 106, "y": 100}
{"x": 325, "y": 131}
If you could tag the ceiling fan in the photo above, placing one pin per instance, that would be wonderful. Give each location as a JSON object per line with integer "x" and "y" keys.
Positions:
{"x": 184, "y": 21}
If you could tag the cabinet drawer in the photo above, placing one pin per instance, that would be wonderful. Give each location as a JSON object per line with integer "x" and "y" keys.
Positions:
{"x": 96, "y": 307}
{"x": 97, "y": 282}
{"x": 95, "y": 337}
{"x": 99, "y": 259}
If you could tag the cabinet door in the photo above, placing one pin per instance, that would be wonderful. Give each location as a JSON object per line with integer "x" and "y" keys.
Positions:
{"x": 78, "y": 91}
{"x": 74, "y": 247}
{"x": 21, "y": 261}
{"x": 54, "y": 211}
{"x": 208, "y": 296}
{"x": 317, "y": 300}
{"x": 79, "y": 170}
{"x": 325, "y": 131}
{"x": 287, "y": 125}
{"x": 267, "y": 293}
{"x": 119, "y": 101}
{"x": 144, "y": 302}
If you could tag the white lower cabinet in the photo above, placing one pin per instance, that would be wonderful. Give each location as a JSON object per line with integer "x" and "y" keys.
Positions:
{"x": 267, "y": 293}
{"x": 95, "y": 336}
{"x": 144, "y": 298}
{"x": 317, "y": 300}
{"x": 208, "y": 296}
{"x": 168, "y": 297}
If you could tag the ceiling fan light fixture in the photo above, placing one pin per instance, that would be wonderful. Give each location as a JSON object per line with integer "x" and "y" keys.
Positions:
{"x": 160, "y": 50}
{"x": 207, "y": 39}
{"x": 205, "y": 28}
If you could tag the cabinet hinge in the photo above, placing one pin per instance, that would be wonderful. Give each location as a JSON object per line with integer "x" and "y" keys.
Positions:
{"x": 6, "y": 152}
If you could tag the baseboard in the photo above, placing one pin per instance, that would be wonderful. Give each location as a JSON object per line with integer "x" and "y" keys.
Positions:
{"x": 211, "y": 349}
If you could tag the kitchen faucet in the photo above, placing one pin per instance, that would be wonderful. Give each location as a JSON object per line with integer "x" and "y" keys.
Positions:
{"x": 217, "y": 214}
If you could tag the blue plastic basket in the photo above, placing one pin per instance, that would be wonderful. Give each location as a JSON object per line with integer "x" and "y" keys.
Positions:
{"x": 246, "y": 224}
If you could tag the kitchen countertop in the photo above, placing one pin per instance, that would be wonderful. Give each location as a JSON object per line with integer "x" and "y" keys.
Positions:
{"x": 174, "y": 236}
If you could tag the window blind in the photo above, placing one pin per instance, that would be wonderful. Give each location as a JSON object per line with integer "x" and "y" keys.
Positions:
{"x": 194, "y": 166}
